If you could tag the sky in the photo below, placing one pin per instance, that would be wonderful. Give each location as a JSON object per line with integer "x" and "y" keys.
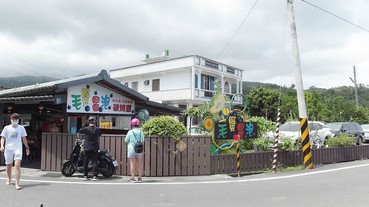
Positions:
{"x": 60, "y": 39}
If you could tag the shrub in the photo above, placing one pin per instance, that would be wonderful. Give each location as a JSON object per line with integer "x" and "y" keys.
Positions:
{"x": 246, "y": 144}
{"x": 287, "y": 144}
{"x": 262, "y": 144}
{"x": 342, "y": 140}
{"x": 164, "y": 126}
{"x": 264, "y": 125}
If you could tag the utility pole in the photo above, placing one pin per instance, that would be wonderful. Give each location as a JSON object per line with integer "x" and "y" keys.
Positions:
{"x": 296, "y": 58}
{"x": 300, "y": 91}
{"x": 356, "y": 94}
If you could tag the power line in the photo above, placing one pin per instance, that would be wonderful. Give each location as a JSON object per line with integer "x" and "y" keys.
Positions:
{"x": 239, "y": 27}
{"x": 336, "y": 16}
{"x": 32, "y": 61}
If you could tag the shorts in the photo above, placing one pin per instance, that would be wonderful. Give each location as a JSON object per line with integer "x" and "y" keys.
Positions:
{"x": 12, "y": 154}
{"x": 134, "y": 155}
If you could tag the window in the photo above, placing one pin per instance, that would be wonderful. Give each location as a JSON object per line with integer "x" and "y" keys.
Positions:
{"x": 230, "y": 70}
{"x": 226, "y": 87}
{"x": 135, "y": 86}
{"x": 211, "y": 64}
{"x": 195, "y": 121}
{"x": 314, "y": 126}
{"x": 196, "y": 81}
{"x": 156, "y": 85}
{"x": 352, "y": 127}
{"x": 234, "y": 88}
{"x": 207, "y": 83}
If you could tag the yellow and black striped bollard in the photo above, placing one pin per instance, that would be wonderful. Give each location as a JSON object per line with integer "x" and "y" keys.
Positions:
{"x": 236, "y": 138}
{"x": 238, "y": 160}
{"x": 306, "y": 143}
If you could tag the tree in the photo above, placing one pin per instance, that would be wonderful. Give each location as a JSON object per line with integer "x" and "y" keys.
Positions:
{"x": 329, "y": 105}
{"x": 263, "y": 102}
{"x": 338, "y": 109}
{"x": 289, "y": 108}
{"x": 314, "y": 103}
{"x": 361, "y": 115}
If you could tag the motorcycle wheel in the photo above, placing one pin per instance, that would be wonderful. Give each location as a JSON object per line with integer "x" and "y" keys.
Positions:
{"x": 107, "y": 169}
{"x": 68, "y": 169}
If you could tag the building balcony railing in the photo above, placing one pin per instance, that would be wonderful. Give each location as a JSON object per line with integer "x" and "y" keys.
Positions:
{"x": 208, "y": 94}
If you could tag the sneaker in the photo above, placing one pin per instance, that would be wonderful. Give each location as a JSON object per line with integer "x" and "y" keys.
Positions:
{"x": 139, "y": 180}
{"x": 131, "y": 180}
{"x": 95, "y": 178}
{"x": 85, "y": 178}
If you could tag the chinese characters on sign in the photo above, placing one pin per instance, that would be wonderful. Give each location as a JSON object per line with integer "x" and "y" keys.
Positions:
{"x": 92, "y": 98}
{"x": 235, "y": 125}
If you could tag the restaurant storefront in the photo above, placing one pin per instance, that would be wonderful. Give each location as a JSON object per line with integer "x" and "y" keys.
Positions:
{"x": 63, "y": 106}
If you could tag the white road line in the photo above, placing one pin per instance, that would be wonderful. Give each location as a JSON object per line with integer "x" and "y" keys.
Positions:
{"x": 236, "y": 180}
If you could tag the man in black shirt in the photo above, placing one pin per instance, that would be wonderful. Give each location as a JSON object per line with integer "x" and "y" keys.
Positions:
{"x": 91, "y": 146}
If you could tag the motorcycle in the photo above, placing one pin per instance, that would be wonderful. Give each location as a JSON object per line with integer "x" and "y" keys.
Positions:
{"x": 105, "y": 163}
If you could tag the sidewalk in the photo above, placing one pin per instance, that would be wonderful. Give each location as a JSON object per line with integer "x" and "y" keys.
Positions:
{"x": 37, "y": 174}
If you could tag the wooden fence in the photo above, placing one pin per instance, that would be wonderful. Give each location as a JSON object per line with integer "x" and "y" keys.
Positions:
{"x": 161, "y": 156}
{"x": 259, "y": 161}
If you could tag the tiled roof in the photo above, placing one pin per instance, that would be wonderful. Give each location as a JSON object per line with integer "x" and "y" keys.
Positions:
{"x": 101, "y": 78}
{"x": 46, "y": 91}
{"x": 26, "y": 98}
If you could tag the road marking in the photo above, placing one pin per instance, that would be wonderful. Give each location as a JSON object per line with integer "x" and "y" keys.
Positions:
{"x": 235, "y": 180}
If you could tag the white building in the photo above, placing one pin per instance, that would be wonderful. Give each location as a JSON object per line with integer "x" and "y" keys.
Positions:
{"x": 183, "y": 82}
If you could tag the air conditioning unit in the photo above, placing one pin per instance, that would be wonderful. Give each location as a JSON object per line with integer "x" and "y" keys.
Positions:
{"x": 147, "y": 82}
{"x": 126, "y": 83}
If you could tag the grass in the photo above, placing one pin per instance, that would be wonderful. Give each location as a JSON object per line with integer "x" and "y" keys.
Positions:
{"x": 292, "y": 168}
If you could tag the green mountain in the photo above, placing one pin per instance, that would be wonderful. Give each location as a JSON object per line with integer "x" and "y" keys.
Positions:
{"x": 19, "y": 81}
{"x": 348, "y": 92}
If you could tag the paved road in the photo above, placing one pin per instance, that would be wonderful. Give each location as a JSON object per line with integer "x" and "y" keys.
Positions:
{"x": 343, "y": 184}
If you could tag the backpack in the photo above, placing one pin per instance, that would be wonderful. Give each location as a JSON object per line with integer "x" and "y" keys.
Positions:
{"x": 138, "y": 147}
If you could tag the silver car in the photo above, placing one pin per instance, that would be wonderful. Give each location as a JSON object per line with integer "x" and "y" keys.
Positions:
{"x": 366, "y": 131}
{"x": 318, "y": 132}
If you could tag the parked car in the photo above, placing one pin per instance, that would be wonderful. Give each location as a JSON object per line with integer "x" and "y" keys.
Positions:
{"x": 318, "y": 132}
{"x": 366, "y": 131}
{"x": 352, "y": 129}
{"x": 196, "y": 130}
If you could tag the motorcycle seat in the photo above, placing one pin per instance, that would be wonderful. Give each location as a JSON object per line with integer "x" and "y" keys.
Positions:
{"x": 102, "y": 152}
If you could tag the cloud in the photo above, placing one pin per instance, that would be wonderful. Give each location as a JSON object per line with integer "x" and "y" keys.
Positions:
{"x": 61, "y": 39}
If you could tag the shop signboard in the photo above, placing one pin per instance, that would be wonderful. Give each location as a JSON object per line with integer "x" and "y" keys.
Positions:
{"x": 92, "y": 98}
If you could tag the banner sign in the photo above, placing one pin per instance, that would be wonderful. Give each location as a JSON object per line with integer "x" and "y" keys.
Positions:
{"x": 92, "y": 98}
{"x": 235, "y": 125}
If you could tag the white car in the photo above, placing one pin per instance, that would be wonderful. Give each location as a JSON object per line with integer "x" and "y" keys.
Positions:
{"x": 317, "y": 131}
{"x": 196, "y": 130}
{"x": 366, "y": 131}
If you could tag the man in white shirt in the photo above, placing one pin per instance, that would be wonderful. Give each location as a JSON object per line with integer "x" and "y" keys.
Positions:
{"x": 13, "y": 135}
